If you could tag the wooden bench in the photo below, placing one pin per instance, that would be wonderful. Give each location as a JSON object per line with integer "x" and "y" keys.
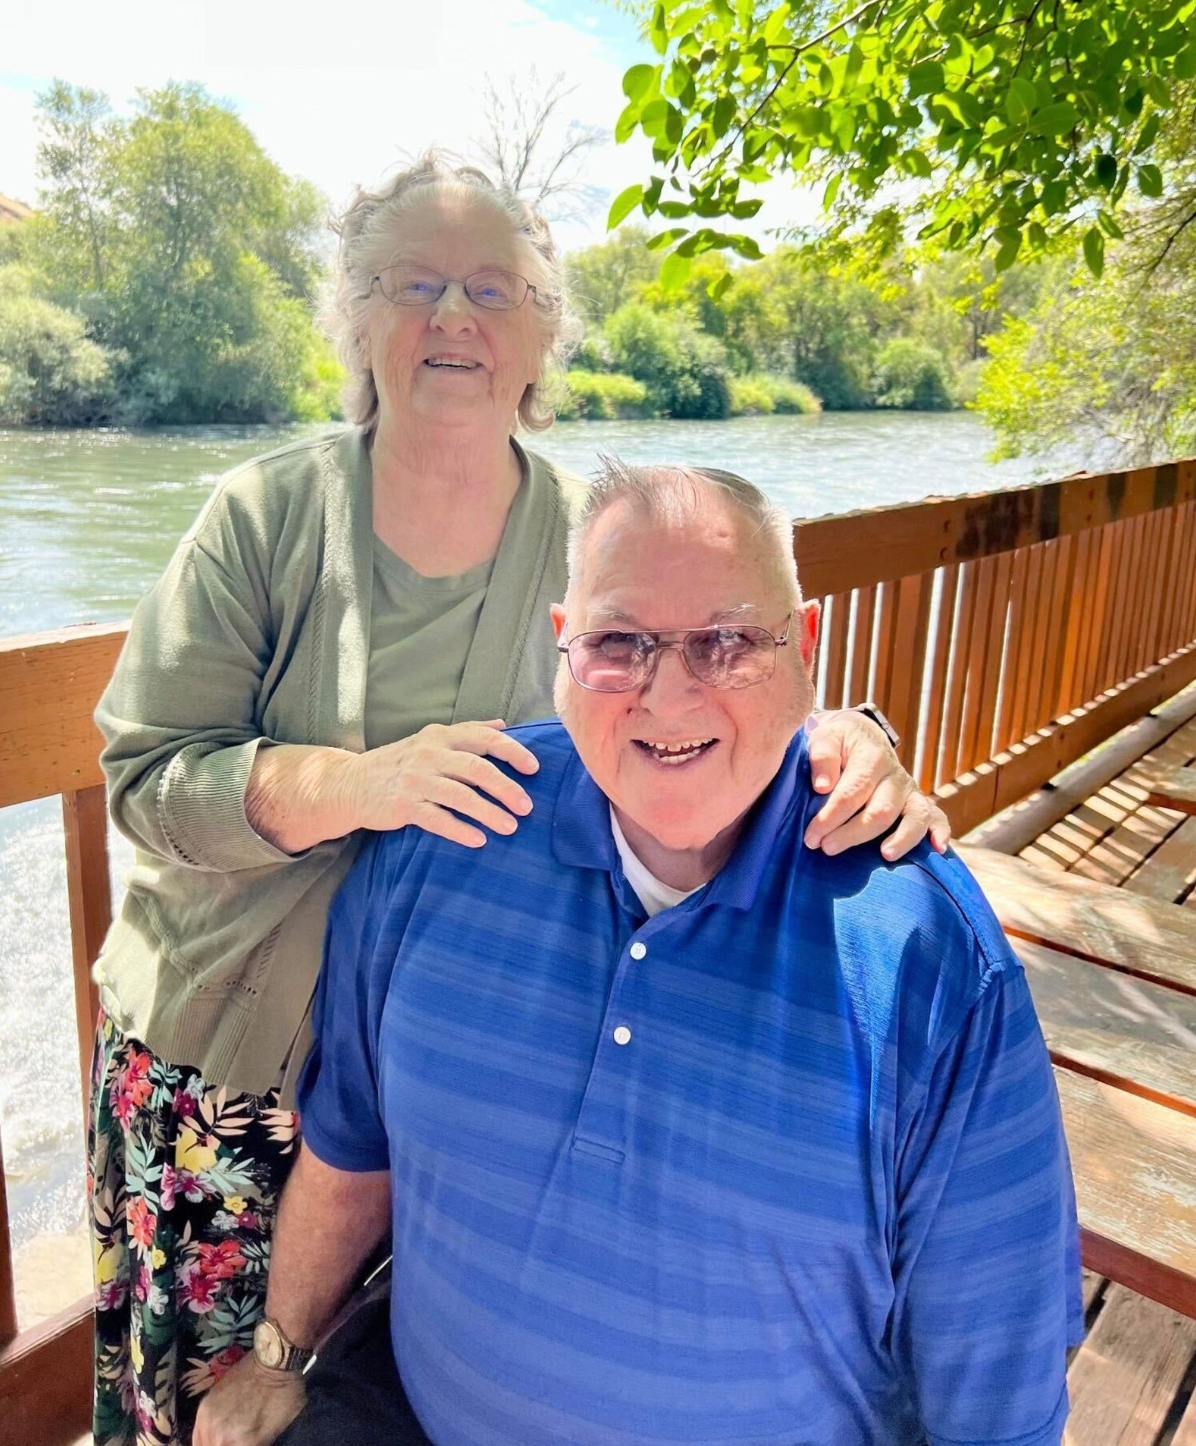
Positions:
{"x": 1113, "y": 976}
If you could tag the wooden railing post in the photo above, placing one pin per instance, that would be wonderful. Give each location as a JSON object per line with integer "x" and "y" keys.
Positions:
{"x": 8, "y": 1297}
{"x": 89, "y": 891}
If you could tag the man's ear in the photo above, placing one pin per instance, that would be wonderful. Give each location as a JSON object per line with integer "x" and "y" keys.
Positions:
{"x": 558, "y": 620}
{"x": 806, "y": 620}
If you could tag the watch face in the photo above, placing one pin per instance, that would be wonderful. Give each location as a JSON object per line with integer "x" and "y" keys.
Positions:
{"x": 267, "y": 1344}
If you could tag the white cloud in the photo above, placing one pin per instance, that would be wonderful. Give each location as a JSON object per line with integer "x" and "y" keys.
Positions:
{"x": 337, "y": 96}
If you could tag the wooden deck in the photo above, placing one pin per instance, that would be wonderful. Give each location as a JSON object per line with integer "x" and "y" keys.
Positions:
{"x": 1133, "y": 1381}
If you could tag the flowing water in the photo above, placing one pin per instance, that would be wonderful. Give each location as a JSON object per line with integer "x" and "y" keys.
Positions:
{"x": 87, "y": 521}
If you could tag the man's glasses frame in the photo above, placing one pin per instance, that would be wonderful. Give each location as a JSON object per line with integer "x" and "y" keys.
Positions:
{"x": 649, "y": 646}
{"x": 472, "y": 285}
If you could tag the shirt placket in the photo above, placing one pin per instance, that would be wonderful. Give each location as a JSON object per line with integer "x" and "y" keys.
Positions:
{"x": 601, "y": 1130}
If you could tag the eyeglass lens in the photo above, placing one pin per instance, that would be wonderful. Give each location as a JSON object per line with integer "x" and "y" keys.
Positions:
{"x": 619, "y": 662}
{"x": 417, "y": 285}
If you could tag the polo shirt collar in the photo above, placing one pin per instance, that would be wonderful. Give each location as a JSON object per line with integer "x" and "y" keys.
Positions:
{"x": 582, "y": 838}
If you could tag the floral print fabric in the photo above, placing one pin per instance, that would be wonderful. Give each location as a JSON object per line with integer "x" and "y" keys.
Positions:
{"x": 183, "y": 1182}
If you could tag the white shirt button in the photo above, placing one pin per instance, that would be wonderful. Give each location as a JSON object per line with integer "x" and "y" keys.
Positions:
{"x": 638, "y": 950}
{"x": 622, "y": 1035}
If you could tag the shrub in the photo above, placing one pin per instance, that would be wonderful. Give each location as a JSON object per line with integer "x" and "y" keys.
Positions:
{"x": 913, "y": 376}
{"x": 684, "y": 371}
{"x": 761, "y": 394}
{"x": 51, "y": 373}
{"x": 607, "y": 395}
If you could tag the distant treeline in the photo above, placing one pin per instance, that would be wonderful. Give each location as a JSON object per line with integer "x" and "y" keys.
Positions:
{"x": 170, "y": 271}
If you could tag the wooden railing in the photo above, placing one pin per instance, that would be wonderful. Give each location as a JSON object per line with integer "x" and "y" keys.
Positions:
{"x": 1005, "y": 635}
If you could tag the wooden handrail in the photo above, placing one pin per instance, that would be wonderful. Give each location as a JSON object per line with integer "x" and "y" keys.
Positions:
{"x": 1005, "y": 634}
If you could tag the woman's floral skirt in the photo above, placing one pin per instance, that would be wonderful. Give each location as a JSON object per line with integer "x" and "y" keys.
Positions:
{"x": 183, "y": 1182}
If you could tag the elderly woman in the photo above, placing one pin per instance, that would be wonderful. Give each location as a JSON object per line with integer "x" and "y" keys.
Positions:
{"x": 334, "y": 647}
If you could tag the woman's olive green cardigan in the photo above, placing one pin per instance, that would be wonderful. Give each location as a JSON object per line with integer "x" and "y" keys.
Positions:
{"x": 258, "y": 632}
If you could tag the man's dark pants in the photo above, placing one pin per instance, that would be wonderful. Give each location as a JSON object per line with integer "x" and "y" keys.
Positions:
{"x": 354, "y": 1391}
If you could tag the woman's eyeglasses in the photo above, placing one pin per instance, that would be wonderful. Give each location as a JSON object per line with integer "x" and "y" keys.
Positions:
{"x": 612, "y": 661}
{"x": 420, "y": 286}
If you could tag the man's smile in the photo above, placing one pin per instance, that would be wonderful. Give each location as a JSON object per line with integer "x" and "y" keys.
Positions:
{"x": 673, "y": 755}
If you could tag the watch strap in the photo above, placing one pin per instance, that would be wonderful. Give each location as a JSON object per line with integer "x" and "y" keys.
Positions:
{"x": 870, "y": 710}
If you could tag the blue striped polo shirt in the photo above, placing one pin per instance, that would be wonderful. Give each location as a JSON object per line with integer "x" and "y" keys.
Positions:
{"x": 780, "y": 1166}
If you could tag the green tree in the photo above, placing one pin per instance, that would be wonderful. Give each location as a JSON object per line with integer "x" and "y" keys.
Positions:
{"x": 992, "y": 121}
{"x": 913, "y": 376}
{"x": 208, "y": 256}
{"x": 604, "y": 277}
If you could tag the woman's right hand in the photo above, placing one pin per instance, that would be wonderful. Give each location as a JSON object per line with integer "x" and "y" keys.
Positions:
{"x": 441, "y": 772}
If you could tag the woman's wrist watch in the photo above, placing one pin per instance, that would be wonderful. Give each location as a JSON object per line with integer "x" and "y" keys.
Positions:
{"x": 273, "y": 1350}
{"x": 870, "y": 710}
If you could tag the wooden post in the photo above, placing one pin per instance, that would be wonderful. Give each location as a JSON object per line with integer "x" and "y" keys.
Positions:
{"x": 8, "y": 1302}
{"x": 85, "y": 823}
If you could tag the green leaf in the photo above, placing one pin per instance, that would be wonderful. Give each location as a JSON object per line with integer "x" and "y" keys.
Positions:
{"x": 1150, "y": 180}
{"x": 627, "y": 122}
{"x": 658, "y": 30}
{"x": 1036, "y": 235}
{"x": 1109, "y": 225}
{"x": 716, "y": 288}
{"x": 665, "y": 238}
{"x": 917, "y": 163}
{"x": 1146, "y": 135}
{"x": 1094, "y": 250}
{"x": 1011, "y": 244}
{"x": 1106, "y": 170}
{"x": 639, "y": 80}
{"x": 673, "y": 210}
{"x": 832, "y": 190}
{"x": 925, "y": 78}
{"x": 746, "y": 247}
{"x": 623, "y": 205}
{"x": 1020, "y": 100}
{"x": 1054, "y": 197}
{"x": 745, "y": 210}
{"x": 674, "y": 272}
{"x": 1185, "y": 62}
{"x": 1054, "y": 120}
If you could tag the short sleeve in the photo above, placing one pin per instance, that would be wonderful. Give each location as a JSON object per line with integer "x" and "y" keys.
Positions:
{"x": 338, "y": 1099}
{"x": 987, "y": 1267}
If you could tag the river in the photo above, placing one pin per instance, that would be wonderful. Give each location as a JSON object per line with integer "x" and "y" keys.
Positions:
{"x": 87, "y": 521}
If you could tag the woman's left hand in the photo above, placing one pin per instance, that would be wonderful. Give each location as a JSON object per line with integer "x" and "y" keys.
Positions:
{"x": 853, "y": 761}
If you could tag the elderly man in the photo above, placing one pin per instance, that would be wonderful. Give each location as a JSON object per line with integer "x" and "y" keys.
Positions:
{"x": 685, "y": 1133}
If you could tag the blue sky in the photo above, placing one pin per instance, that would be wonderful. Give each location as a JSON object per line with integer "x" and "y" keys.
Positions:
{"x": 338, "y": 94}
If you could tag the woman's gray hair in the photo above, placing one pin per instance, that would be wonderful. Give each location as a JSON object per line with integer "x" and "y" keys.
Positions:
{"x": 367, "y": 225}
{"x": 668, "y": 493}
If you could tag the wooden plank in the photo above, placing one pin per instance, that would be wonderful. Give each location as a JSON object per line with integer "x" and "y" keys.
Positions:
{"x": 1138, "y": 1036}
{"x": 1000, "y": 781}
{"x": 1124, "y": 1379}
{"x": 1170, "y": 540}
{"x": 1185, "y": 1432}
{"x": 49, "y": 686}
{"x": 1158, "y": 540}
{"x": 1100, "y": 611}
{"x": 909, "y": 659}
{"x": 861, "y": 646}
{"x": 1125, "y": 848}
{"x": 1017, "y": 629}
{"x": 45, "y": 1380}
{"x": 1038, "y": 705}
{"x": 1176, "y": 789}
{"x": 1170, "y": 872}
{"x": 1025, "y": 660}
{"x": 994, "y": 659}
{"x": 1135, "y": 1172}
{"x": 1123, "y": 931}
{"x": 886, "y": 638}
{"x": 1127, "y": 618}
{"x": 937, "y": 682}
{"x": 8, "y": 1299}
{"x": 961, "y": 670}
{"x": 859, "y": 549}
{"x": 89, "y": 894}
{"x": 1170, "y": 624}
{"x": 1187, "y": 578}
{"x": 1077, "y": 613}
{"x": 1113, "y": 611}
{"x": 836, "y": 649}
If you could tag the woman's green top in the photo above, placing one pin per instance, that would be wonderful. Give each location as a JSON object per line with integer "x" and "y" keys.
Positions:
{"x": 259, "y": 632}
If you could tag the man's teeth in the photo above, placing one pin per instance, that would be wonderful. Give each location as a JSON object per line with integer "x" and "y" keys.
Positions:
{"x": 440, "y": 362}
{"x": 676, "y": 752}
